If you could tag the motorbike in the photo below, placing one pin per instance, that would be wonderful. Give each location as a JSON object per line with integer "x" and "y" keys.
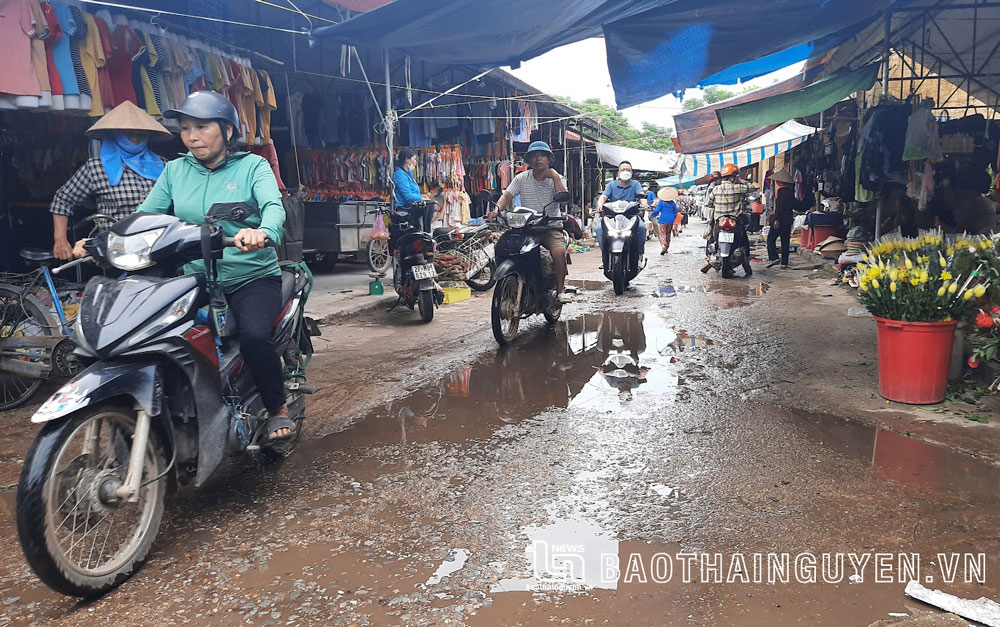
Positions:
{"x": 165, "y": 396}
{"x": 729, "y": 245}
{"x": 525, "y": 277}
{"x": 474, "y": 250}
{"x": 413, "y": 272}
{"x": 621, "y": 243}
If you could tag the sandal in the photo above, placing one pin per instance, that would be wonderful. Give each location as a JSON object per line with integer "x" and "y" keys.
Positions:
{"x": 276, "y": 424}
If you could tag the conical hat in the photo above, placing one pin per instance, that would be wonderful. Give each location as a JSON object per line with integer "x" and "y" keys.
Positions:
{"x": 667, "y": 194}
{"x": 782, "y": 176}
{"x": 128, "y": 117}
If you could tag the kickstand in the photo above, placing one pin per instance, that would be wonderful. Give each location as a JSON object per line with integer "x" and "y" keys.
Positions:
{"x": 396, "y": 304}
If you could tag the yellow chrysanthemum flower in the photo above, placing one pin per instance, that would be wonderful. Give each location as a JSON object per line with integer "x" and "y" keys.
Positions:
{"x": 979, "y": 290}
{"x": 953, "y": 288}
{"x": 945, "y": 275}
{"x": 941, "y": 291}
{"x": 893, "y": 274}
{"x": 875, "y": 283}
{"x": 892, "y": 287}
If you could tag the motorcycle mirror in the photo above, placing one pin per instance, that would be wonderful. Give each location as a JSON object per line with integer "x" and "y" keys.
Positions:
{"x": 561, "y": 197}
{"x": 229, "y": 212}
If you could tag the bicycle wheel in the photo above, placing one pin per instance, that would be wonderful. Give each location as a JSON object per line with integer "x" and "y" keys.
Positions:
{"x": 20, "y": 316}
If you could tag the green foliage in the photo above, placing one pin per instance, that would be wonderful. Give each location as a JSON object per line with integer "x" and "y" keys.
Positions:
{"x": 649, "y": 137}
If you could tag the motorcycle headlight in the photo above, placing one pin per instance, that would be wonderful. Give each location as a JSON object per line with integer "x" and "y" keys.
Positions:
{"x": 516, "y": 220}
{"x": 175, "y": 312}
{"x": 131, "y": 252}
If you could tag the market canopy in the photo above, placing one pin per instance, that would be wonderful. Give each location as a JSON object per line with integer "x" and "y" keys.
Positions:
{"x": 677, "y": 181}
{"x": 800, "y": 103}
{"x": 654, "y": 47}
{"x": 781, "y": 139}
{"x": 646, "y": 160}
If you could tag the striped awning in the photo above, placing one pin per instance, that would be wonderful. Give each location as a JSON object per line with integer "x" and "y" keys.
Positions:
{"x": 781, "y": 139}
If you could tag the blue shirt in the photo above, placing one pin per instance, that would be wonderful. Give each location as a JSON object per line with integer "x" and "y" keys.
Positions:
{"x": 630, "y": 193}
{"x": 666, "y": 210}
{"x": 407, "y": 190}
{"x": 651, "y": 199}
{"x": 61, "y": 55}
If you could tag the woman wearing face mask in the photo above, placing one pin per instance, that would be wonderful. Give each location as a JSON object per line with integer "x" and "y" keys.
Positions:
{"x": 407, "y": 191}
{"x": 623, "y": 188}
{"x": 211, "y": 172}
{"x": 118, "y": 180}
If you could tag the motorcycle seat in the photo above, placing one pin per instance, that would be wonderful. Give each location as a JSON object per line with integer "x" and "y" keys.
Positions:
{"x": 287, "y": 285}
{"x": 36, "y": 254}
{"x": 289, "y": 280}
{"x": 442, "y": 231}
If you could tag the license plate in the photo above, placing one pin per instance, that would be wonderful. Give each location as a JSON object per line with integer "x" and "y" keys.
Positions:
{"x": 725, "y": 237}
{"x": 424, "y": 272}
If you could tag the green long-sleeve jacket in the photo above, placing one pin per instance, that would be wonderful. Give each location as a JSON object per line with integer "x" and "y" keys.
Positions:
{"x": 187, "y": 189}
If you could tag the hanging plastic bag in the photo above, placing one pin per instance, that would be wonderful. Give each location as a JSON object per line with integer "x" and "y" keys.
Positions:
{"x": 922, "y": 139}
{"x": 378, "y": 228}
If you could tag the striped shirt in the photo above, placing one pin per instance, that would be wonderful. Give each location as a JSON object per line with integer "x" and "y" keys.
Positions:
{"x": 535, "y": 194}
{"x": 92, "y": 181}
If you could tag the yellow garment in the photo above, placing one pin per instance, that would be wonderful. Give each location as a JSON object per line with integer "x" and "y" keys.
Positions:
{"x": 38, "y": 46}
{"x": 270, "y": 104}
{"x": 213, "y": 73}
{"x": 152, "y": 107}
{"x": 92, "y": 57}
{"x": 251, "y": 96}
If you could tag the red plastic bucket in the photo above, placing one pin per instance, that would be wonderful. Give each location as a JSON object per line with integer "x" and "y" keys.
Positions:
{"x": 913, "y": 360}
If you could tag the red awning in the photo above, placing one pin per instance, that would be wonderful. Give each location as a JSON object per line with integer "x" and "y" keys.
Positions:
{"x": 362, "y": 6}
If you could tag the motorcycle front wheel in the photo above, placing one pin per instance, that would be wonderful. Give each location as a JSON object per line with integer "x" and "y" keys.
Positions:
{"x": 483, "y": 280}
{"x": 618, "y": 273}
{"x": 78, "y": 537}
{"x": 503, "y": 312}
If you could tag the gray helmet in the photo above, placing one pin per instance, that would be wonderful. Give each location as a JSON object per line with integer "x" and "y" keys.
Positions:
{"x": 858, "y": 234}
{"x": 208, "y": 105}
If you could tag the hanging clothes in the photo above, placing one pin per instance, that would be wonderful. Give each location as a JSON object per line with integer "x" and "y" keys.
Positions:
{"x": 38, "y": 58}
{"x": 55, "y": 34}
{"x": 62, "y": 57}
{"x": 125, "y": 46}
{"x": 270, "y": 103}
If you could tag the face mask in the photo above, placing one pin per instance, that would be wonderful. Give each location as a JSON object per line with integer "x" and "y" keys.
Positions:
{"x": 625, "y": 176}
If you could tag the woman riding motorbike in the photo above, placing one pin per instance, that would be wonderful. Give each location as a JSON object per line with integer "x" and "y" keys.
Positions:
{"x": 212, "y": 172}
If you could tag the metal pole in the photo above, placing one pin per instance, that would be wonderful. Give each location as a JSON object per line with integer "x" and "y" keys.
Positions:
{"x": 583, "y": 188}
{"x": 822, "y": 137}
{"x": 885, "y": 93}
{"x": 389, "y": 117}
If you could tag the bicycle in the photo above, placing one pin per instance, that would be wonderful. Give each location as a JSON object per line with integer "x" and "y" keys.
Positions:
{"x": 36, "y": 342}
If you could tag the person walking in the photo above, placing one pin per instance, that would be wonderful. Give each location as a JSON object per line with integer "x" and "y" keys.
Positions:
{"x": 781, "y": 218}
{"x": 666, "y": 216}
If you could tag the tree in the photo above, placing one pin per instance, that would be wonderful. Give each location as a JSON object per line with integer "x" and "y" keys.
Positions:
{"x": 711, "y": 95}
{"x": 693, "y": 103}
{"x": 649, "y": 137}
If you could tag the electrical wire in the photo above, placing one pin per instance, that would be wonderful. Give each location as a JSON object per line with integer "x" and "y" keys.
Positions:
{"x": 278, "y": 6}
{"x": 421, "y": 105}
{"x": 117, "y": 5}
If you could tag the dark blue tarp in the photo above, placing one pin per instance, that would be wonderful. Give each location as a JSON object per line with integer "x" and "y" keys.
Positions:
{"x": 655, "y": 47}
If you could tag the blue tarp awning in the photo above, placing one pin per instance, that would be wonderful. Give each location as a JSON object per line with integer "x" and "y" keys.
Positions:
{"x": 655, "y": 47}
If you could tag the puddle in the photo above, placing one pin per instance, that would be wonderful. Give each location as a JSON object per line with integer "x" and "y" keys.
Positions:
{"x": 568, "y": 555}
{"x": 595, "y": 361}
{"x": 587, "y": 285}
{"x": 737, "y": 289}
{"x": 453, "y": 564}
{"x": 896, "y": 458}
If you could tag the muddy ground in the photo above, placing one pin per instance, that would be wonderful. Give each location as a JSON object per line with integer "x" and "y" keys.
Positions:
{"x": 443, "y": 482}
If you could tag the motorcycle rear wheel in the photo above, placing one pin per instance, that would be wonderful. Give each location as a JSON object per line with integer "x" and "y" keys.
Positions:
{"x": 426, "y": 305}
{"x": 502, "y": 317}
{"x": 69, "y": 477}
{"x": 727, "y": 269}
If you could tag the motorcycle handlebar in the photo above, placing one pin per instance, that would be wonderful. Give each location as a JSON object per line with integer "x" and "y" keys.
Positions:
{"x": 72, "y": 264}
{"x": 231, "y": 241}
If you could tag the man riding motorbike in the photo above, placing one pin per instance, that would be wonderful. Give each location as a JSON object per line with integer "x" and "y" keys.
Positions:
{"x": 212, "y": 172}
{"x": 623, "y": 188}
{"x": 725, "y": 199}
{"x": 536, "y": 187}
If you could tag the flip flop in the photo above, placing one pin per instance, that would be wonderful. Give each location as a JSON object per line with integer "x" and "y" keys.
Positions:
{"x": 277, "y": 424}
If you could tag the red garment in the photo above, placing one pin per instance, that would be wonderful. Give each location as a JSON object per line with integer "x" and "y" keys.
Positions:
{"x": 126, "y": 47}
{"x": 268, "y": 152}
{"x": 55, "y": 32}
{"x": 103, "y": 73}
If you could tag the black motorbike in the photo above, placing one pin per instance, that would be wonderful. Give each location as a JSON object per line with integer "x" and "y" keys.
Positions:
{"x": 620, "y": 249}
{"x": 729, "y": 245}
{"x": 525, "y": 278}
{"x": 413, "y": 272}
{"x": 165, "y": 397}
